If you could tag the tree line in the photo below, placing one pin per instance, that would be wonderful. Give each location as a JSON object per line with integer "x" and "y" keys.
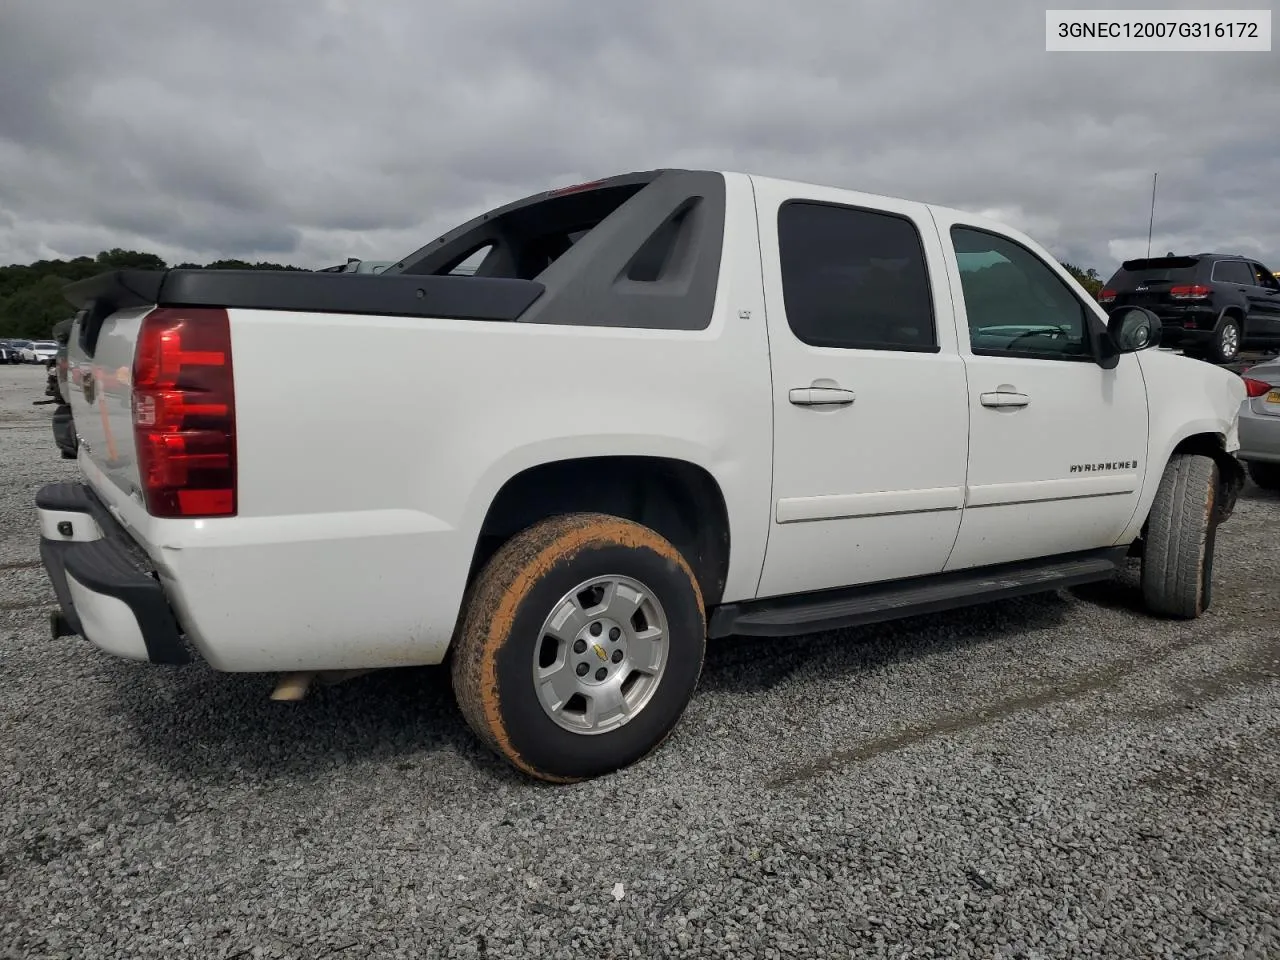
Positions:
{"x": 1088, "y": 279}
{"x": 31, "y": 299}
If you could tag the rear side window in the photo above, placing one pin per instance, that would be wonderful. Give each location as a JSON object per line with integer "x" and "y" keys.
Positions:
{"x": 854, "y": 278}
{"x": 1233, "y": 271}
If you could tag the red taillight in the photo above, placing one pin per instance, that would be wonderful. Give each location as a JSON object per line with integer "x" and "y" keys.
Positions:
{"x": 575, "y": 188}
{"x": 1256, "y": 388}
{"x": 1195, "y": 291}
{"x": 1106, "y": 296}
{"x": 184, "y": 413}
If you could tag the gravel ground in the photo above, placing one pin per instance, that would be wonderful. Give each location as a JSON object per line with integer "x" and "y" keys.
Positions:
{"x": 1058, "y": 776}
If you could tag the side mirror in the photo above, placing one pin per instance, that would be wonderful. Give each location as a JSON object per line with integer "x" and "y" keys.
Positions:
{"x": 1133, "y": 328}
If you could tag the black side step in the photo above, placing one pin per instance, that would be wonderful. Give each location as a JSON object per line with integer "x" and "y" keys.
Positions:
{"x": 831, "y": 609}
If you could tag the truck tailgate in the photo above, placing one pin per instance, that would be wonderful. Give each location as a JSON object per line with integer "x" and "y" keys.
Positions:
{"x": 101, "y": 397}
{"x": 152, "y": 392}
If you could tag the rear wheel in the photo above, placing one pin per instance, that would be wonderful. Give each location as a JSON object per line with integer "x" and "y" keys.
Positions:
{"x": 1177, "y": 557}
{"x": 1265, "y": 475}
{"x": 1225, "y": 345}
{"x": 580, "y": 647}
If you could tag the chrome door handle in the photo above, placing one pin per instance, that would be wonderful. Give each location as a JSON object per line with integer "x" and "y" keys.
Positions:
{"x": 820, "y": 396}
{"x": 1000, "y": 399}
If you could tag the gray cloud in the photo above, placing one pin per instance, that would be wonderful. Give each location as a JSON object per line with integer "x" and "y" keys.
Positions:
{"x": 309, "y": 131}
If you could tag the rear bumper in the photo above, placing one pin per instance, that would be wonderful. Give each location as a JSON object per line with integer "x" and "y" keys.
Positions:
{"x": 106, "y": 589}
{"x": 1169, "y": 336}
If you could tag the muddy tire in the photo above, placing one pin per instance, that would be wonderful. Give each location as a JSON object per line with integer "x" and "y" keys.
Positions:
{"x": 1265, "y": 475}
{"x": 580, "y": 647}
{"x": 1177, "y": 560}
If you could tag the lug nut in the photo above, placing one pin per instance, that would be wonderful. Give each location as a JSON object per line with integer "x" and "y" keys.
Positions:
{"x": 601, "y": 673}
{"x": 617, "y": 656}
{"x": 596, "y": 628}
{"x": 614, "y": 634}
{"x": 582, "y": 669}
{"x": 579, "y": 646}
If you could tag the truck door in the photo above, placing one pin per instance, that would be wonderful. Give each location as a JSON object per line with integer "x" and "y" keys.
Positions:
{"x": 1057, "y": 444}
{"x": 870, "y": 421}
{"x": 1264, "y": 303}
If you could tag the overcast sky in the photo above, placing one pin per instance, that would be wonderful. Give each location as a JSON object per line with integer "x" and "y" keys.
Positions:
{"x": 306, "y": 131}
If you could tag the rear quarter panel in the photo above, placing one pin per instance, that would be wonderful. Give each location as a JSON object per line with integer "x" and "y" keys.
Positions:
{"x": 365, "y": 475}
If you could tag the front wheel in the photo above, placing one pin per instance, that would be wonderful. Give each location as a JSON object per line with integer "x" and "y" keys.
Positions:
{"x": 1265, "y": 475}
{"x": 1177, "y": 556}
{"x": 580, "y": 647}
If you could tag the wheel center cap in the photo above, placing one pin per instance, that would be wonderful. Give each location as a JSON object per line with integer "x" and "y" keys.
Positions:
{"x": 598, "y": 650}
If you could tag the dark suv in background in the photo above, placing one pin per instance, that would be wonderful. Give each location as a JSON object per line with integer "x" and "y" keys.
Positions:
{"x": 1211, "y": 305}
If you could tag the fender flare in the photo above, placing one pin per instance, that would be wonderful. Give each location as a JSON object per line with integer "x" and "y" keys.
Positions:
{"x": 1241, "y": 317}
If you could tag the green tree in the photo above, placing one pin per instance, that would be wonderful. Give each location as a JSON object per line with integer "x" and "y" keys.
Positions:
{"x": 245, "y": 265}
{"x": 118, "y": 259}
{"x": 1088, "y": 279}
{"x": 31, "y": 297}
{"x": 33, "y": 310}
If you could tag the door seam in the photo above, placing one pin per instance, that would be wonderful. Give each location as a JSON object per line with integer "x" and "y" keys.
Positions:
{"x": 968, "y": 404}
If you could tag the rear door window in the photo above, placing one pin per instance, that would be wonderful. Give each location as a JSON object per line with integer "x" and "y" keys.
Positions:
{"x": 1233, "y": 271}
{"x": 854, "y": 279}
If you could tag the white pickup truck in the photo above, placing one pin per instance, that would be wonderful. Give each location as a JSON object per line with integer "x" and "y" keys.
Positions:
{"x": 666, "y": 406}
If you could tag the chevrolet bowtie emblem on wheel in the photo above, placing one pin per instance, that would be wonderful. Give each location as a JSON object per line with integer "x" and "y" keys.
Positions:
{"x": 599, "y": 651}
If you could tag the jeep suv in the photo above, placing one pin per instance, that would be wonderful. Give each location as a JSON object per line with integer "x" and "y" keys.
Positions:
{"x": 1211, "y": 305}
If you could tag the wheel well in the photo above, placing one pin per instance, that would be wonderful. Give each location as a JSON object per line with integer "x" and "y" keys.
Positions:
{"x": 1230, "y": 470}
{"x": 677, "y": 499}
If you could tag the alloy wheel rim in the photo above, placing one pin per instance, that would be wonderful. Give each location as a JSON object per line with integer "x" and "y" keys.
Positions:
{"x": 1230, "y": 340}
{"x": 601, "y": 653}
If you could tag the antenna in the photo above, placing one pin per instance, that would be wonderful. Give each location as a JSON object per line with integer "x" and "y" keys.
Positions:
{"x": 1151, "y": 223}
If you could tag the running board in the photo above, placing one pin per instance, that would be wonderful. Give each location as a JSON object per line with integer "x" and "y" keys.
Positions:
{"x": 846, "y": 607}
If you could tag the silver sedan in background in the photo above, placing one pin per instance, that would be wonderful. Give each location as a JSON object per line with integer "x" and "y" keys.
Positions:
{"x": 1260, "y": 424}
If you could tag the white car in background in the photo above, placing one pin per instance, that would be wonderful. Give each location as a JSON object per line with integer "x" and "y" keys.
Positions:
{"x": 39, "y": 351}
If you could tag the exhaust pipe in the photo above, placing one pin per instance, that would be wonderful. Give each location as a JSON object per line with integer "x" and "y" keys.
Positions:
{"x": 295, "y": 686}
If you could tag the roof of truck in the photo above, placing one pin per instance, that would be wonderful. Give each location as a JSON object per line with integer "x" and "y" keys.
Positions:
{"x": 794, "y": 184}
{"x": 790, "y": 183}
